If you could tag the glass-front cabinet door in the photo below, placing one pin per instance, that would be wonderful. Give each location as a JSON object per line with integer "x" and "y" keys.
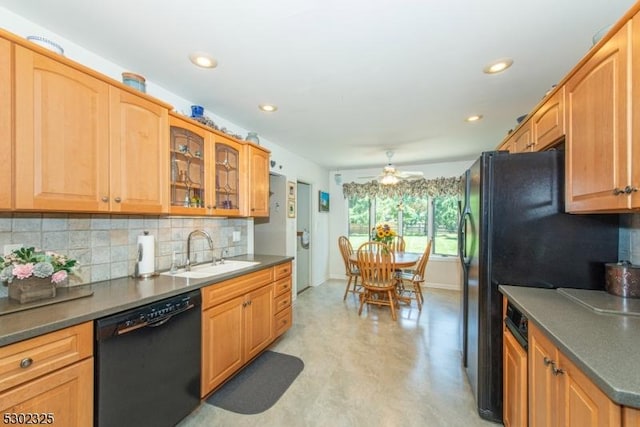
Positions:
{"x": 228, "y": 173}
{"x": 188, "y": 151}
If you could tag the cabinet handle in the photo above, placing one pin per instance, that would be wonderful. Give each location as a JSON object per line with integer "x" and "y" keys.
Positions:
{"x": 26, "y": 362}
{"x": 556, "y": 371}
{"x": 617, "y": 191}
{"x": 629, "y": 189}
{"x": 210, "y": 207}
{"x": 547, "y": 361}
{"x": 105, "y": 199}
{"x": 117, "y": 199}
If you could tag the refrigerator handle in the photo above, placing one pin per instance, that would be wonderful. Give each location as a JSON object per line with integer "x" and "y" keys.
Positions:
{"x": 462, "y": 242}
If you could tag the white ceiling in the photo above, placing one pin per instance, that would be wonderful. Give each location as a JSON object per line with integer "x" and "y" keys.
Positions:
{"x": 351, "y": 78}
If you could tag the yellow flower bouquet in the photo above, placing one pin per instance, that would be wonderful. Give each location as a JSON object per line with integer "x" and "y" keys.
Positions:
{"x": 383, "y": 233}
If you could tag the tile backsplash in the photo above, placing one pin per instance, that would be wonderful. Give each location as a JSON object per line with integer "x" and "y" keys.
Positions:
{"x": 105, "y": 246}
{"x": 629, "y": 246}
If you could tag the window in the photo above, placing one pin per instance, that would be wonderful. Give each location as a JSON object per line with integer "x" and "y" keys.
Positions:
{"x": 445, "y": 225}
{"x": 359, "y": 221}
{"x": 415, "y": 223}
{"x": 417, "y": 219}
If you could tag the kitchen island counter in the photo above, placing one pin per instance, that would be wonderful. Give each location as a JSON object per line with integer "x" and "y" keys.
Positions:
{"x": 113, "y": 296}
{"x": 604, "y": 346}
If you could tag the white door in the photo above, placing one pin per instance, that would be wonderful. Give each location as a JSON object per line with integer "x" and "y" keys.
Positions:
{"x": 303, "y": 238}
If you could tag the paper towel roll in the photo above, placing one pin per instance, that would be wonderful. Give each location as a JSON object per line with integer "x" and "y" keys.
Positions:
{"x": 146, "y": 255}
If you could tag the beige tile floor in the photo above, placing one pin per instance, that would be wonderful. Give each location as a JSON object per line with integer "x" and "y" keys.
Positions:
{"x": 367, "y": 370}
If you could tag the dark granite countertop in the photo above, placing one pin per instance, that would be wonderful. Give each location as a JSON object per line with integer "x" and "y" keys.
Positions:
{"x": 113, "y": 296}
{"x": 604, "y": 345}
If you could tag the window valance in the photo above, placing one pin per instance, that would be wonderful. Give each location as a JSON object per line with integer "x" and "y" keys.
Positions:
{"x": 417, "y": 188}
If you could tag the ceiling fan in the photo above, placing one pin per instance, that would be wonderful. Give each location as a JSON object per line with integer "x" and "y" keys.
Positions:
{"x": 390, "y": 175}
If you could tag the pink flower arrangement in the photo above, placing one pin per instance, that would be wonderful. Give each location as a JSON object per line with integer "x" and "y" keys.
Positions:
{"x": 23, "y": 271}
{"x": 24, "y": 263}
{"x": 59, "y": 276}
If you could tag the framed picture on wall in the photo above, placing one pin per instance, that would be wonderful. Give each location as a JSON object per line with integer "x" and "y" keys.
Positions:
{"x": 291, "y": 190}
{"x": 291, "y": 208}
{"x": 323, "y": 201}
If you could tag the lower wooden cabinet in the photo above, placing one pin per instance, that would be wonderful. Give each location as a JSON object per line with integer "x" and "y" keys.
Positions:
{"x": 240, "y": 318}
{"x": 49, "y": 379}
{"x": 514, "y": 389}
{"x": 282, "y": 306}
{"x": 560, "y": 394}
{"x": 630, "y": 417}
{"x": 64, "y": 397}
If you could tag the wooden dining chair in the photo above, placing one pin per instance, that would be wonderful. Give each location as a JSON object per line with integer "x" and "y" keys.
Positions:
{"x": 376, "y": 263}
{"x": 350, "y": 267}
{"x": 412, "y": 281}
{"x": 397, "y": 244}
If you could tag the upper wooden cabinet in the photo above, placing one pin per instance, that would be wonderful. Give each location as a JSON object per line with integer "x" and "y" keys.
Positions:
{"x": 598, "y": 161}
{"x": 519, "y": 141}
{"x": 139, "y": 155}
{"x": 542, "y": 129}
{"x": 190, "y": 174}
{"x": 257, "y": 181}
{"x": 548, "y": 121}
{"x": 635, "y": 113}
{"x": 84, "y": 144}
{"x": 230, "y": 176}
{"x": 61, "y": 121}
{"x": 6, "y": 124}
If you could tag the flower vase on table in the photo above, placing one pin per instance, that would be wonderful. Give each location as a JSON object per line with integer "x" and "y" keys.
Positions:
{"x": 33, "y": 275}
{"x": 383, "y": 233}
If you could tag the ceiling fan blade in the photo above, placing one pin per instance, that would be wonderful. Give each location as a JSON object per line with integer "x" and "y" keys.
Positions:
{"x": 410, "y": 174}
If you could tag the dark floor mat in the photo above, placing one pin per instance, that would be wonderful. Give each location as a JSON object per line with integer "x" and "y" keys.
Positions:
{"x": 258, "y": 386}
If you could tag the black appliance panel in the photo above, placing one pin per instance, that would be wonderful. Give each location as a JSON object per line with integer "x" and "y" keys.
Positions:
{"x": 518, "y": 234}
{"x": 147, "y": 364}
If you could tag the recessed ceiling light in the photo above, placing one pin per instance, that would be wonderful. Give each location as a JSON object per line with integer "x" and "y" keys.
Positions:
{"x": 498, "y": 66}
{"x": 203, "y": 59}
{"x": 269, "y": 108}
{"x": 474, "y": 118}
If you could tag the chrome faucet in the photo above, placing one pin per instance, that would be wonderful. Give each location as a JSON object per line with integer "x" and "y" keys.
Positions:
{"x": 187, "y": 265}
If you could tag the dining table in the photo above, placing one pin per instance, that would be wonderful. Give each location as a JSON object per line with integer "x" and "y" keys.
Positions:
{"x": 402, "y": 260}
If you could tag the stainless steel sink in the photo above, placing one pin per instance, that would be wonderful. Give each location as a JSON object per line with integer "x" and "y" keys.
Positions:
{"x": 208, "y": 270}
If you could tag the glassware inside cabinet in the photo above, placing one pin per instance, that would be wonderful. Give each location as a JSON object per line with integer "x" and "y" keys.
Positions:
{"x": 187, "y": 168}
{"x": 227, "y": 177}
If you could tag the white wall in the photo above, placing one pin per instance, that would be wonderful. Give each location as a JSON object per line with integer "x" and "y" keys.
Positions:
{"x": 268, "y": 233}
{"x": 292, "y": 166}
{"x": 442, "y": 272}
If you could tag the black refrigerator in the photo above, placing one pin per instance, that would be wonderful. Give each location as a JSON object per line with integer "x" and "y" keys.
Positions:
{"x": 513, "y": 231}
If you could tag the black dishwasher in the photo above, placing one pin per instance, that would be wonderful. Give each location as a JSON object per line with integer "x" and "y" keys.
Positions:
{"x": 147, "y": 364}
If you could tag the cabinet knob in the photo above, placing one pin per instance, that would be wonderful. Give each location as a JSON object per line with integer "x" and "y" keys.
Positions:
{"x": 617, "y": 191}
{"x": 547, "y": 361}
{"x": 117, "y": 199}
{"x": 629, "y": 189}
{"x": 26, "y": 362}
{"x": 105, "y": 199}
{"x": 209, "y": 206}
{"x": 556, "y": 371}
